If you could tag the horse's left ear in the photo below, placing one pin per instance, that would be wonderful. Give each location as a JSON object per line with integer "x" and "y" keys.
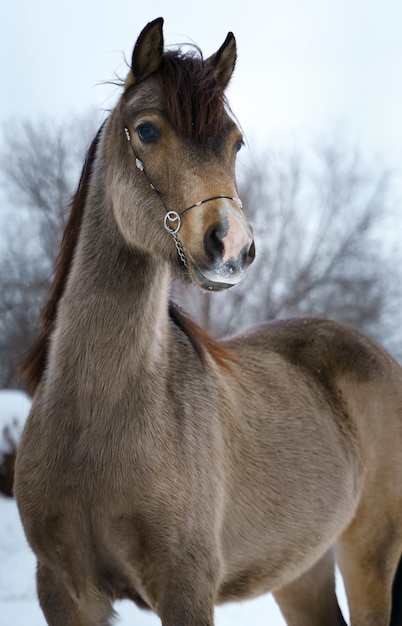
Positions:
{"x": 147, "y": 53}
{"x": 224, "y": 61}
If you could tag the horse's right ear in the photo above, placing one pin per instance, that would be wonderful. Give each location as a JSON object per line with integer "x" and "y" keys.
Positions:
{"x": 147, "y": 53}
{"x": 224, "y": 61}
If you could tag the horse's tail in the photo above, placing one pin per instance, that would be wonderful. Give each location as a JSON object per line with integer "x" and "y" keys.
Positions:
{"x": 396, "y": 613}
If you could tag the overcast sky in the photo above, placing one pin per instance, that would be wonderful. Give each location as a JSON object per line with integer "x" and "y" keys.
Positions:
{"x": 304, "y": 65}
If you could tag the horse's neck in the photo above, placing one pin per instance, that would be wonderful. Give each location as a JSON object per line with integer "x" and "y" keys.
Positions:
{"x": 112, "y": 327}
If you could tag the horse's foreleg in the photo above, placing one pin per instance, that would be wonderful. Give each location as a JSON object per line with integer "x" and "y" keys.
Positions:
{"x": 187, "y": 605}
{"x": 368, "y": 556}
{"x": 310, "y": 600}
{"x": 61, "y": 610}
{"x": 183, "y": 613}
{"x": 189, "y": 591}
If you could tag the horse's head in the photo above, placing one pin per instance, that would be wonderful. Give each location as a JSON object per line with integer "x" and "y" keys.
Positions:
{"x": 173, "y": 180}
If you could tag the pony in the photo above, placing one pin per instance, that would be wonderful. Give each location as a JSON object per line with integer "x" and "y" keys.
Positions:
{"x": 161, "y": 465}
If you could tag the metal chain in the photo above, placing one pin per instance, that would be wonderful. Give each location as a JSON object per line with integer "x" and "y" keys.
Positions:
{"x": 179, "y": 249}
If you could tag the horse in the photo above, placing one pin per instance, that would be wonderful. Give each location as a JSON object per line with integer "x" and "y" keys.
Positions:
{"x": 161, "y": 465}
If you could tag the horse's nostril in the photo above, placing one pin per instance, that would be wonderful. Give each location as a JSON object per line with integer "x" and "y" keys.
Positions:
{"x": 247, "y": 255}
{"x": 251, "y": 253}
{"x": 213, "y": 244}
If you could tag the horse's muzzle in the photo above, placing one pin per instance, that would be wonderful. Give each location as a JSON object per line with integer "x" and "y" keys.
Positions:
{"x": 229, "y": 248}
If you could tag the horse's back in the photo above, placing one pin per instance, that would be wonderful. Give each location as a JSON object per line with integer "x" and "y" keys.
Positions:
{"x": 321, "y": 348}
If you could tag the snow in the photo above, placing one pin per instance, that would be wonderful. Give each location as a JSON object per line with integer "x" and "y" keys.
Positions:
{"x": 18, "y": 602}
{"x": 14, "y": 408}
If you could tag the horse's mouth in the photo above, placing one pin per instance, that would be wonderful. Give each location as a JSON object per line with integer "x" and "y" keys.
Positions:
{"x": 206, "y": 283}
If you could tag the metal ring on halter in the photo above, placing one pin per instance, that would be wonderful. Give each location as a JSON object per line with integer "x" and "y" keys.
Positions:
{"x": 172, "y": 216}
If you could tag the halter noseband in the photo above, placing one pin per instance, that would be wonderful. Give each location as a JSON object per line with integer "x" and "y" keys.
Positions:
{"x": 173, "y": 216}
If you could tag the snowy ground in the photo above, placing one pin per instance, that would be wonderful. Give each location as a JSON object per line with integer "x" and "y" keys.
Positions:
{"x": 14, "y": 407}
{"x": 18, "y": 603}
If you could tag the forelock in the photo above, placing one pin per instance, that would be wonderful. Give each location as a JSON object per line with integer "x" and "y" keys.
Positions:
{"x": 194, "y": 102}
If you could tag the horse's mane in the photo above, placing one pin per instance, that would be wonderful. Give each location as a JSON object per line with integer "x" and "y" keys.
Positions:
{"x": 195, "y": 106}
{"x": 202, "y": 341}
{"x": 34, "y": 361}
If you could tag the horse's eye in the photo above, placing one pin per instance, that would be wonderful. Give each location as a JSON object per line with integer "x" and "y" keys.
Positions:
{"x": 147, "y": 133}
{"x": 239, "y": 145}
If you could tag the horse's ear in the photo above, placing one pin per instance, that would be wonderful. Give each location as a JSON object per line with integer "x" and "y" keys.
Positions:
{"x": 147, "y": 53}
{"x": 224, "y": 61}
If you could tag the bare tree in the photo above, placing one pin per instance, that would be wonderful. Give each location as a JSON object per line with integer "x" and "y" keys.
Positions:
{"x": 24, "y": 282}
{"x": 39, "y": 164}
{"x": 39, "y": 168}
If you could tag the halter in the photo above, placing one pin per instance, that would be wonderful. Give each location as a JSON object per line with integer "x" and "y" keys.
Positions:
{"x": 173, "y": 217}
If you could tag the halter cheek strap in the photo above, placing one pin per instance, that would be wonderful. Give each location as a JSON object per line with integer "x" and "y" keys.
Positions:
{"x": 172, "y": 219}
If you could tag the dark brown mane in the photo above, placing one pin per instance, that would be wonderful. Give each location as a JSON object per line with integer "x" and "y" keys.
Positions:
{"x": 195, "y": 102}
{"x": 202, "y": 341}
{"x": 34, "y": 361}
